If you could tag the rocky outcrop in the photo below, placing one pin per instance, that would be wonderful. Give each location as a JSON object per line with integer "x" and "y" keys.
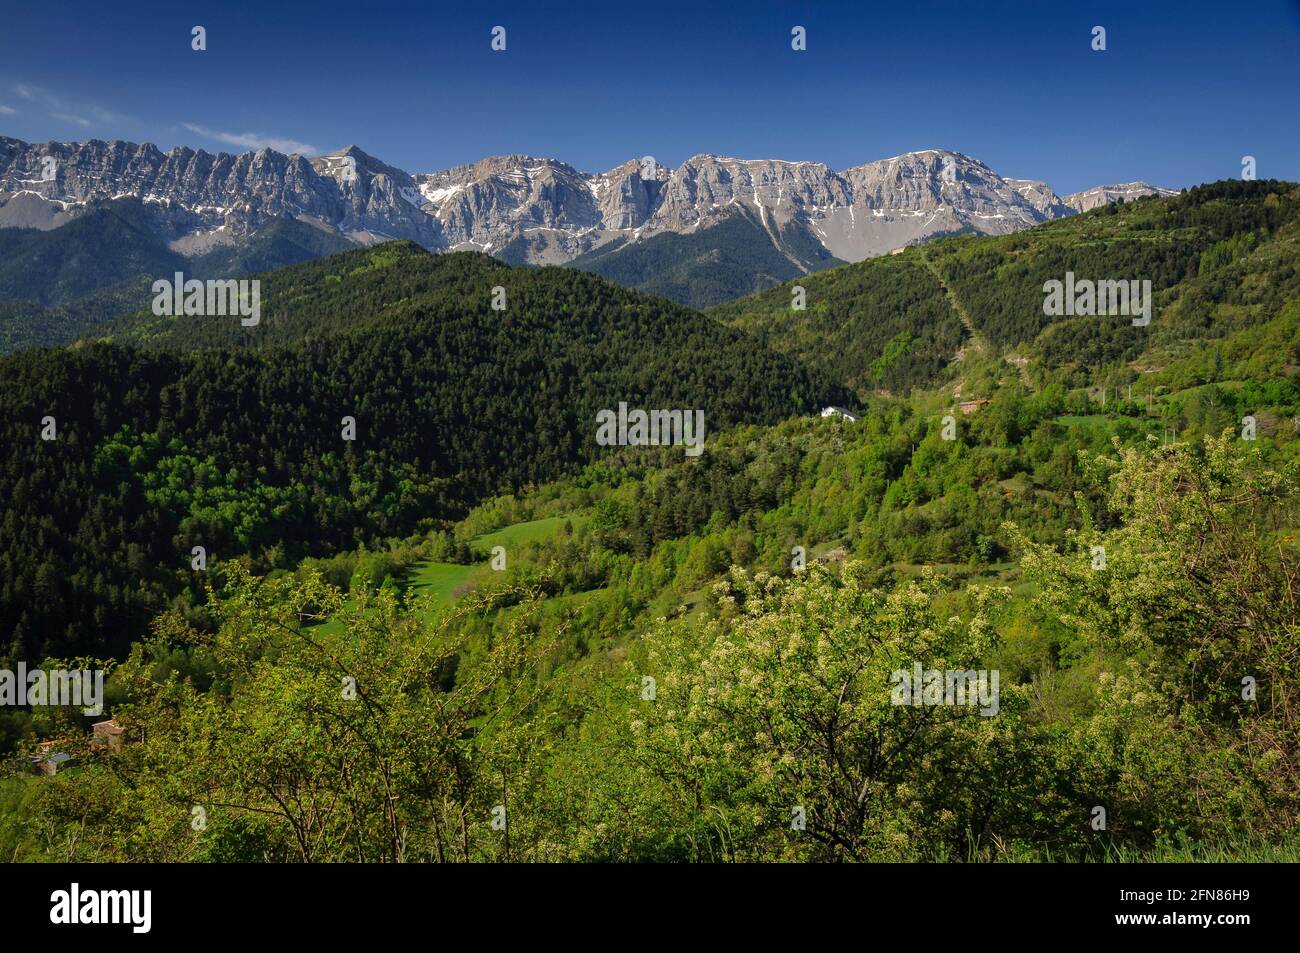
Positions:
{"x": 1109, "y": 194}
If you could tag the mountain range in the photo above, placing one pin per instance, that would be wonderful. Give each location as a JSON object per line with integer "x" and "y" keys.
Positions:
{"x": 77, "y": 218}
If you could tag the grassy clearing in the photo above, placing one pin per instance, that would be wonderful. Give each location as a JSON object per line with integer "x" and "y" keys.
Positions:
{"x": 440, "y": 580}
{"x": 521, "y": 534}
{"x": 447, "y": 582}
{"x": 444, "y": 582}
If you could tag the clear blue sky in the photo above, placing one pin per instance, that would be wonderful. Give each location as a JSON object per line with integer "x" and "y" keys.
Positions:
{"x": 1183, "y": 91}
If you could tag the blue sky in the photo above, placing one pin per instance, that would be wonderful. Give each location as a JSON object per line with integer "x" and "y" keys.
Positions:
{"x": 1182, "y": 92}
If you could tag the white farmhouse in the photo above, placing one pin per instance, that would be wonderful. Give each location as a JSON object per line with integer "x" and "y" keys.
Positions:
{"x": 840, "y": 412}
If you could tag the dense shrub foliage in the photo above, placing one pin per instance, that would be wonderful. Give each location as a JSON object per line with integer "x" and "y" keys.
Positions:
{"x": 773, "y": 703}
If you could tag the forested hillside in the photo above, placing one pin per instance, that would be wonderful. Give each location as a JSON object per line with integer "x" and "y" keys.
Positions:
{"x": 106, "y": 245}
{"x": 736, "y": 257}
{"x": 56, "y": 285}
{"x": 1223, "y": 261}
{"x": 241, "y": 449}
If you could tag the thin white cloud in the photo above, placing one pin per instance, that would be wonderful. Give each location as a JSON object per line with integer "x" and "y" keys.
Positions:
{"x": 252, "y": 140}
{"x": 63, "y": 110}
{"x": 68, "y": 117}
{"x": 7, "y": 110}
{"x": 105, "y": 116}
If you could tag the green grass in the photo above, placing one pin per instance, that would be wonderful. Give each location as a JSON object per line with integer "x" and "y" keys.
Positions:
{"x": 447, "y": 582}
{"x": 440, "y": 580}
{"x": 521, "y": 534}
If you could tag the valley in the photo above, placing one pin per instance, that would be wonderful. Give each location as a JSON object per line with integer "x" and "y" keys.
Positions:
{"x": 650, "y": 655}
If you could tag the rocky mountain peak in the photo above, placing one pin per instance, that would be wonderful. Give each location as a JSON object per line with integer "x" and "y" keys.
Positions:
{"x": 541, "y": 209}
{"x": 1109, "y": 194}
